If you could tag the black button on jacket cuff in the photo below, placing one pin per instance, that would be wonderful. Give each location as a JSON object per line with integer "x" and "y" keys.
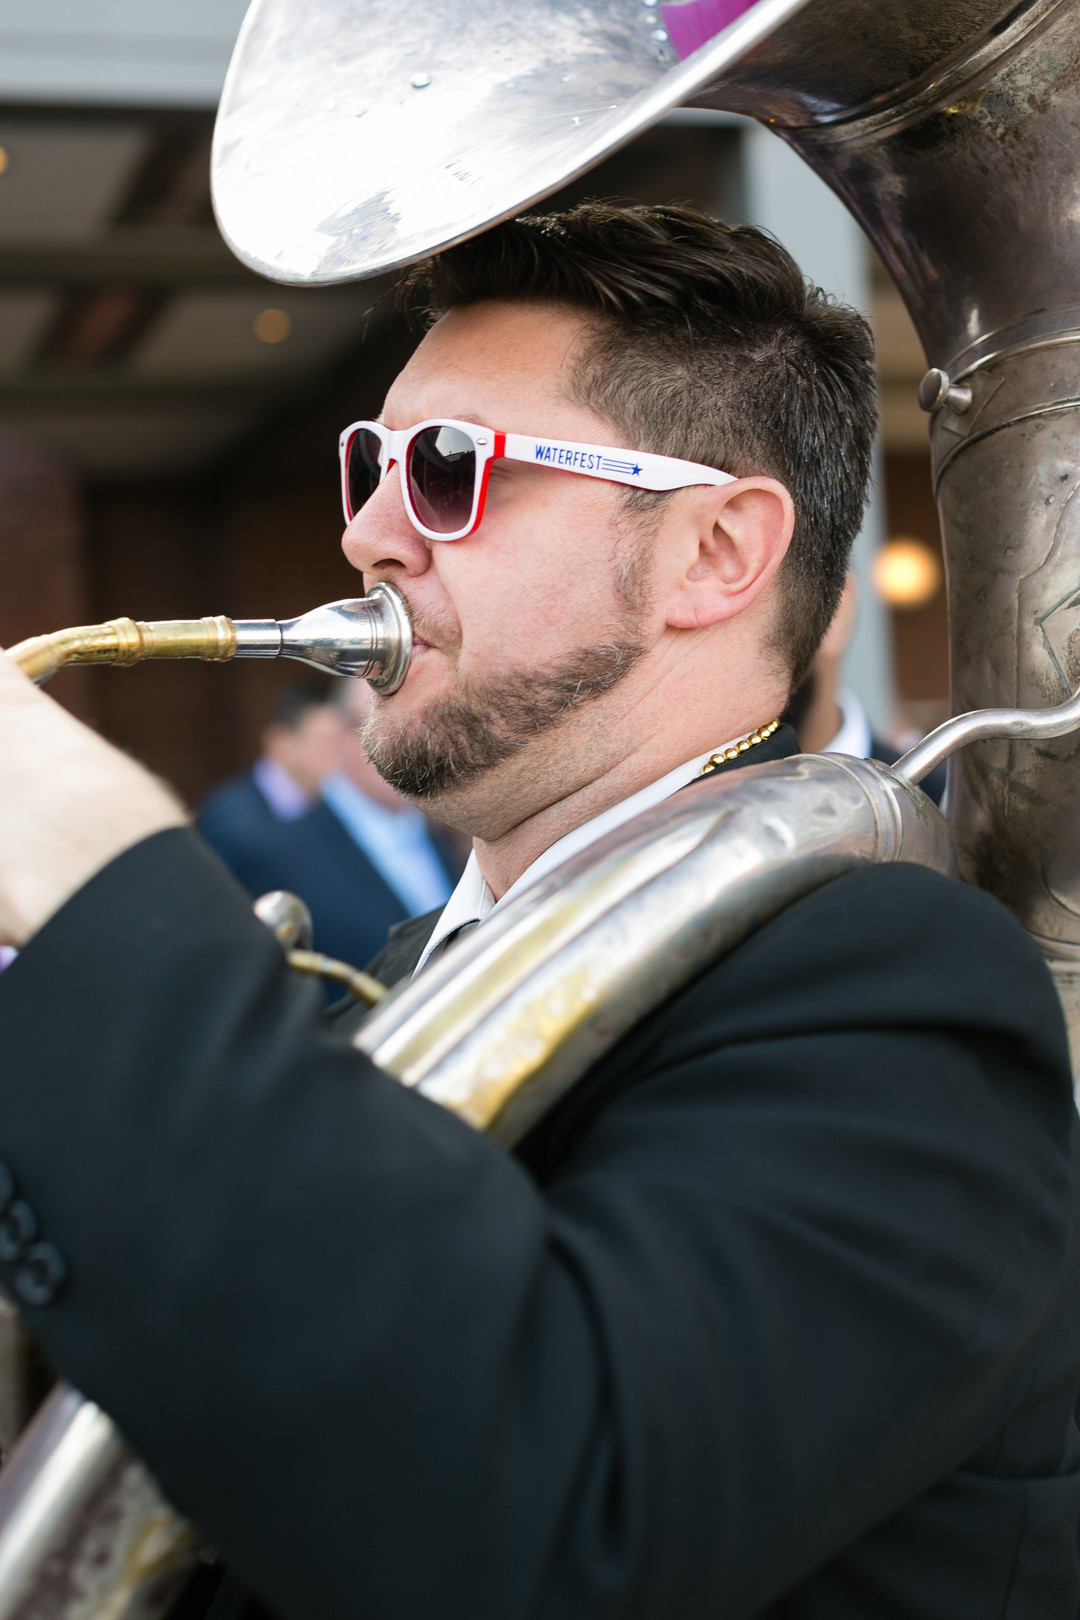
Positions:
{"x": 41, "y": 1269}
{"x": 40, "y": 1274}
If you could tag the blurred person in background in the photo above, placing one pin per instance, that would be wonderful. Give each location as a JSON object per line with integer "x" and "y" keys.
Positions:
{"x": 300, "y": 743}
{"x": 364, "y": 858}
{"x": 829, "y": 719}
{"x": 355, "y": 851}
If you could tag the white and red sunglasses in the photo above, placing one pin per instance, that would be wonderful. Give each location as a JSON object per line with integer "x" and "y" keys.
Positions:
{"x": 445, "y": 467}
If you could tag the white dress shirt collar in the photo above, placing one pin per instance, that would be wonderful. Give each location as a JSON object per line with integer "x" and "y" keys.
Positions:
{"x": 473, "y": 901}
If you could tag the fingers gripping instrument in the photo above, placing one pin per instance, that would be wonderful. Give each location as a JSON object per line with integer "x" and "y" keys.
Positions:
{"x": 370, "y": 636}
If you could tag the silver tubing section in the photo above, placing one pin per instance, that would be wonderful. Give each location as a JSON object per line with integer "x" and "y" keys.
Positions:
{"x": 84, "y": 1532}
{"x": 982, "y": 725}
{"x": 503, "y": 1025}
{"x": 257, "y": 638}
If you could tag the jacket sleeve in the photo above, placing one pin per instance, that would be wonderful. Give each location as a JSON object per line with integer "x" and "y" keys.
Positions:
{"x": 788, "y": 1267}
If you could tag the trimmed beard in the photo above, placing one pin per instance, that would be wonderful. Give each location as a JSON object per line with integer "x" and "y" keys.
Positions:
{"x": 458, "y": 738}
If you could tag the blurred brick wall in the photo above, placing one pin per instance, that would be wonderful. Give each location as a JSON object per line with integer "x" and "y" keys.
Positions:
{"x": 43, "y": 584}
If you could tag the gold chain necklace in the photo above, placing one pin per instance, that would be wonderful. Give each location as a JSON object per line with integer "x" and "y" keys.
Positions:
{"x": 738, "y": 748}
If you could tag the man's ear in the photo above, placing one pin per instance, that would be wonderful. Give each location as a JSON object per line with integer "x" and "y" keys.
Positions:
{"x": 728, "y": 543}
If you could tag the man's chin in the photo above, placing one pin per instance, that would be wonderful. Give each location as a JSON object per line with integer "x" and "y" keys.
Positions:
{"x": 409, "y": 752}
{"x": 435, "y": 737}
{"x": 428, "y": 683}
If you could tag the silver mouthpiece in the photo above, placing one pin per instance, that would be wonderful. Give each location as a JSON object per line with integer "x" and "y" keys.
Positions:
{"x": 370, "y": 636}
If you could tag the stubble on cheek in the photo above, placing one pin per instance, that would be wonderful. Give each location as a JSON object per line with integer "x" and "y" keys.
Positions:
{"x": 484, "y": 720}
{"x": 457, "y": 738}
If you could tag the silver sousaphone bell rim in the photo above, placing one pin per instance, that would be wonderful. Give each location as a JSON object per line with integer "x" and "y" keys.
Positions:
{"x": 586, "y": 144}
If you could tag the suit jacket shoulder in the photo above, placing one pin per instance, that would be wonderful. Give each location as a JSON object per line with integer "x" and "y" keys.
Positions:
{"x": 404, "y": 948}
{"x": 858, "y": 953}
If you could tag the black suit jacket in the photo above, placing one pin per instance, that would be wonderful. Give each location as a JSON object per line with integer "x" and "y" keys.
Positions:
{"x": 775, "y": 1315}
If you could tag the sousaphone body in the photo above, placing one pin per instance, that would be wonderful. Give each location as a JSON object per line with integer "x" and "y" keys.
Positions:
{"x": 353, "y": 139}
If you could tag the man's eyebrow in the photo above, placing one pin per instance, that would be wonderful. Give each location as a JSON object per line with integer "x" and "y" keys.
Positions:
{"x": 474, "y": 418}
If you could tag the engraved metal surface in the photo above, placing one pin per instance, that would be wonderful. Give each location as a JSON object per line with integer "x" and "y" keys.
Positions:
{"x": 970, "y": 187}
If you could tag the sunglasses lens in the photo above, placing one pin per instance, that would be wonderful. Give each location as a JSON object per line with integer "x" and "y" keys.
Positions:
{"x": 442, "y": 478}
{"x": 361, "y": 468}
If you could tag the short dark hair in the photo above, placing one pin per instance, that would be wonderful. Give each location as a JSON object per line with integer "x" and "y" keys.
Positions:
{"x": 709, "y": 344}
{"x": 294, "y": 703}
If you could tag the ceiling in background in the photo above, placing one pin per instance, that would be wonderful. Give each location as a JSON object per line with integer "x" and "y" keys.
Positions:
{"x": 117, "y": 52}
{"x": 64, "y": 181}
{"x": 132, "y": 343}
{"x": 131, "y": 340}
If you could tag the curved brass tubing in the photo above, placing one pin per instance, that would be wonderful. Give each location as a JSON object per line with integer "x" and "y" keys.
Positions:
{"x": 126, "y": 641}
{"x": 358, "y": 984}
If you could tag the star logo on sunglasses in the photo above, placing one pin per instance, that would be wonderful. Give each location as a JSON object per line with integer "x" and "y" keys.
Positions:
{"x": 636, "y": 471}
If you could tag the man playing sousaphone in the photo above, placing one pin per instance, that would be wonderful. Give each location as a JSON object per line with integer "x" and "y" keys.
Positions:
{"x": 777, "y": 1312}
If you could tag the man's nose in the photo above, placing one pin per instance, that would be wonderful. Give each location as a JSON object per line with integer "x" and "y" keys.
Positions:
{"x": 380, "y": 541}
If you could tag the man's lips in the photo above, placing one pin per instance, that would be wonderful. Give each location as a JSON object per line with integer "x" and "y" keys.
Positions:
{"x": 425, "y": 638}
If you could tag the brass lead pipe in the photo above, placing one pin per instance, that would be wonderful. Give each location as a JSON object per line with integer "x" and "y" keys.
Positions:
{"x": 126, "y": 641}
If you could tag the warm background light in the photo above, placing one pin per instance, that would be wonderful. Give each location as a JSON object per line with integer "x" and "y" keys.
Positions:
{"x": 907, "y": 573}
{"x": 4, "y": 160}
{"x": 272, "y": 326}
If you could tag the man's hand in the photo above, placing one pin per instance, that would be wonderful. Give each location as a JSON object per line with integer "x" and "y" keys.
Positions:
{"x": 69, "y": 804}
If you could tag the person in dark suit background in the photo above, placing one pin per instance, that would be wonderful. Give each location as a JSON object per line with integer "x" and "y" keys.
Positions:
{"x": 776, "y": 1314}
{"x": 313, "y": 816}
{"x": 300, "y": 744}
